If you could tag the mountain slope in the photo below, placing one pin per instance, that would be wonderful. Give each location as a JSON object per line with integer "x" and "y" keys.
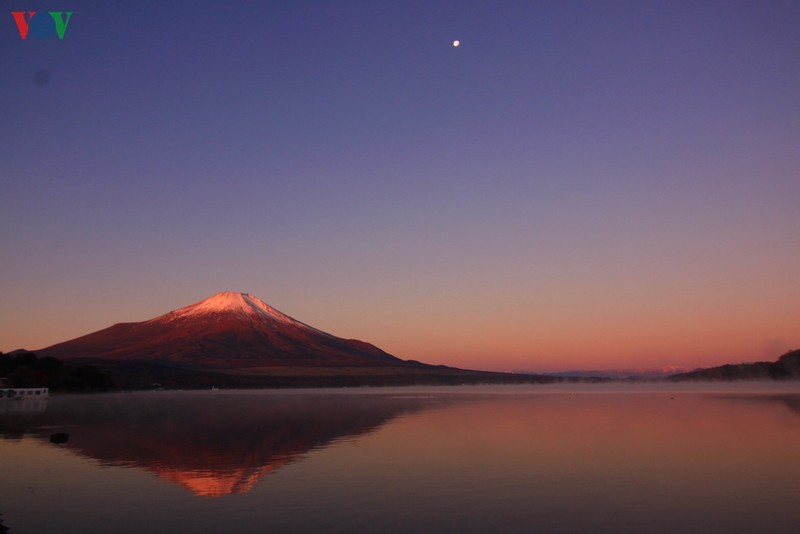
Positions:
{"x": 226, "y": 331}
{"x": 787, "y": 367}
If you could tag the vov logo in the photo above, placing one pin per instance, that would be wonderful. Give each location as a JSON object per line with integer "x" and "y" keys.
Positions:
{"x": 42, "y": 25}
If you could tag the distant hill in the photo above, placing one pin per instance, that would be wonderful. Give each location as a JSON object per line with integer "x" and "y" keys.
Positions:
{"x": 786, "y": 367}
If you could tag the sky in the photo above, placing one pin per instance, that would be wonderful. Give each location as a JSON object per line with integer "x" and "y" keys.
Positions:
{"x": 578, "y": 185}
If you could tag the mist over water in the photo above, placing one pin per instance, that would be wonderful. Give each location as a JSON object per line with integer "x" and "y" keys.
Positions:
{"x": 594, "y": 457}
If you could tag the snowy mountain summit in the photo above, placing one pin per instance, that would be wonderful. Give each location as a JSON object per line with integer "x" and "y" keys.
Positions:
{"x": 225, "y": 331}
{"x": 243, "y": 305}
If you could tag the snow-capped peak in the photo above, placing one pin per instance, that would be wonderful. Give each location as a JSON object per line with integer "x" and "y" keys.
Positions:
{"x": 242, "y": 304}
{"x": 229, "y": 301}
{"x": 225, "y": 330}
{"x": 225, "y": 301}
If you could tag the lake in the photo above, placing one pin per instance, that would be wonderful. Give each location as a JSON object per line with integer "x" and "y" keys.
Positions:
{"x": 557, "y": 458}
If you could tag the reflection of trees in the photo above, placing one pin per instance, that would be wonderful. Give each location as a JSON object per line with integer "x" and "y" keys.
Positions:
{"x": 791, "y": 401}
{"x": 213, "y": 444}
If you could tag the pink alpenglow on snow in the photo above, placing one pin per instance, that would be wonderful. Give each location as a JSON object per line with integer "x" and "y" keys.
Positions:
{"x": 227, "y": 330}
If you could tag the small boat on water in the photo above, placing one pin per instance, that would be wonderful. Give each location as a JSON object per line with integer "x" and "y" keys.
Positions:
{"x": 9, "y": 392}
{"x": 23, "y": 393}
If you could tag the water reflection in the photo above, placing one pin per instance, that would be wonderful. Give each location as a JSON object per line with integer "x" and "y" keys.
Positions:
{"x": 454, "y": 460}
{"x": 22, "y": 405}
{"x": 790, "y": 401}
{"x": 211, "y": 444}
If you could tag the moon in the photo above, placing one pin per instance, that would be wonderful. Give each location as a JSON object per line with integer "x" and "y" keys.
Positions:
{"x": 456, "y": 43}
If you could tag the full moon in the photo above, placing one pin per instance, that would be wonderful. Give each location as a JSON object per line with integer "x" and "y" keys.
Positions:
{"x": 456, "y": 43}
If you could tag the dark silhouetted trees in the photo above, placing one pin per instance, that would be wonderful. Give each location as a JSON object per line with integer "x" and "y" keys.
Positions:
{"x": 786, "y": 368}
{"x": 26, "y": 370}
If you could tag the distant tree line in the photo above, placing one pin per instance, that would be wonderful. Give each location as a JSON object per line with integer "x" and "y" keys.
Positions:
{"x": 27, "y": 370}
{"x": 787, "y": 367}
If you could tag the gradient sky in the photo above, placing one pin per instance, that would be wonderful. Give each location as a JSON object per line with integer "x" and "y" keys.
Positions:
{"x": 578, "y": 185}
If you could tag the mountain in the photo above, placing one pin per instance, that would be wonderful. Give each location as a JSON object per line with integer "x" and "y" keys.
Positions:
{"x": 235, "y": 340}
{"x": 225, "y": 331}
{"x": 786, "y": 367}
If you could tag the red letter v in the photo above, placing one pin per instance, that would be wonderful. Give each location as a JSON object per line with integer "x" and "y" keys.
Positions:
{"x": 23, "y": 25}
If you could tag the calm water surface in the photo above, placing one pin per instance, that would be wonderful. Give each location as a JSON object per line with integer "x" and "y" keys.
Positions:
{"x": 647, "y": 458}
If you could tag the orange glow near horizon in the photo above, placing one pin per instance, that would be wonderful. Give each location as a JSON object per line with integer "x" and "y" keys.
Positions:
{"x": 691, "y": 310}
{"x": 512, "y": 332}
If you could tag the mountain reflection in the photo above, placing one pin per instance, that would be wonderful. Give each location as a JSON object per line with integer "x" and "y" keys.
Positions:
{"x": 212, "y": 444}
